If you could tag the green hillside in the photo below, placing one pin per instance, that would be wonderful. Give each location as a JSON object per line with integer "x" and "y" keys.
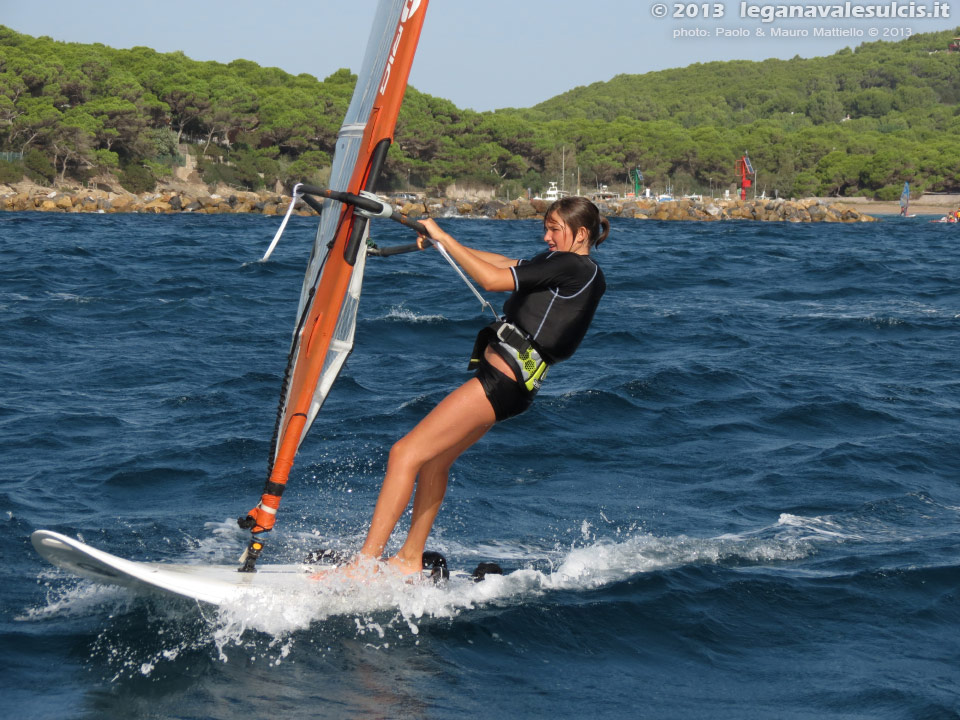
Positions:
{"x": 859, "y": 122}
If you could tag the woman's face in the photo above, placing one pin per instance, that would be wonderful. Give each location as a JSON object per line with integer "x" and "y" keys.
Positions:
{"x": 556, "y": 234}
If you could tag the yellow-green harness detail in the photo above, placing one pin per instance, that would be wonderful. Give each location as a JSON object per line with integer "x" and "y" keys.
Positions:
{"x": 534, "y": 368}
{"x": 513, "y": 345}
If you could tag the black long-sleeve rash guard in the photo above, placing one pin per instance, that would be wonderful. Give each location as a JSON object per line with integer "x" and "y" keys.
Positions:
{"x": 556, "y": 295}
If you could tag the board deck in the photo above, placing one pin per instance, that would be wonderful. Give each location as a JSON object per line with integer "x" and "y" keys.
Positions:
{"x": 213, "y": 584}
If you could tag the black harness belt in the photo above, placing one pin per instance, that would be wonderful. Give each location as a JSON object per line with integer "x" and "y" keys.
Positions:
{"x": 514, "y": 346}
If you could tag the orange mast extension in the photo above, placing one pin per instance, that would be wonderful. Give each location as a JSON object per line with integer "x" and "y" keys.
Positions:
{"x": 320, "y": 320}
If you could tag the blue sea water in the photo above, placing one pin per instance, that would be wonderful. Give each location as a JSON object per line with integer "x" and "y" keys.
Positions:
{"x": 740, "y": 499}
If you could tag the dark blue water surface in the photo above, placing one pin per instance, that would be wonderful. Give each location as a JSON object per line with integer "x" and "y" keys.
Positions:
{"x": 740, "y": 499}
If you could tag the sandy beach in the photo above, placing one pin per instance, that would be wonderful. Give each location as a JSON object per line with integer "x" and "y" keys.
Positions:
{"x": 936, "y": 205}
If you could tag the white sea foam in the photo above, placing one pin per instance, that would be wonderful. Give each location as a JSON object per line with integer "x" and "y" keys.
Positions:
{"x": 818, "y": 527}
{"x": 594, "y": 564}
{"x": 399, "y": 312}
{"x": 76, "y": 598}
{"x": 69, "y": 297}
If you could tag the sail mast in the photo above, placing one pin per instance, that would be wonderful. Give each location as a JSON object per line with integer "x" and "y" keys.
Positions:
{"x": 323, "y": 336}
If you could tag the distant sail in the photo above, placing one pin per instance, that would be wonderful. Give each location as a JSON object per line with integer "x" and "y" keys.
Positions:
{"x": 326, "y": 317}
{"x": 905, "y": 199}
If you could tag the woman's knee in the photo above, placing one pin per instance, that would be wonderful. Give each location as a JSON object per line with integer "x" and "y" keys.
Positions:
{"x": 405, "y": 453}
{"x": 409, "y": 457}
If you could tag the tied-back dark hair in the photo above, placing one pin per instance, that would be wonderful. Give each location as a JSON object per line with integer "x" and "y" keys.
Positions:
{"x": 578, "y": 212}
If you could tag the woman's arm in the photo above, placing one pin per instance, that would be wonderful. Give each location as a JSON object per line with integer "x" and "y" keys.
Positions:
{"x": 491, "y": 270}
{"x": 501, "y": 261}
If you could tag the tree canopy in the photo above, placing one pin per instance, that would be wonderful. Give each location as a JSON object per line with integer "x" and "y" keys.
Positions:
{"x": 859, "y": 122}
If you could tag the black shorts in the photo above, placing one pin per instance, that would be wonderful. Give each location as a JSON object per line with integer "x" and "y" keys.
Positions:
{"x": 506, "y": 395}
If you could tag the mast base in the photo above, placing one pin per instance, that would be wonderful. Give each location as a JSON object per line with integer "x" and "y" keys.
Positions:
{"x": 250, "y": 556}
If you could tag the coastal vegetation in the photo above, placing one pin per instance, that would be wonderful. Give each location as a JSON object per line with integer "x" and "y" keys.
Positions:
{"x": 858, "y": 122}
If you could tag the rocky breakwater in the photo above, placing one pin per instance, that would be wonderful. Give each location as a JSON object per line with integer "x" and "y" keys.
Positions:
{"x": 806, "y": 210}
{"x": 225, "y": 200}
{"x": 770, "y": 210}
{"x": 167, "y": 201}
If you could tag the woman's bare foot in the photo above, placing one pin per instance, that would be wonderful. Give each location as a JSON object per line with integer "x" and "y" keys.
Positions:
{"x": 364, "y": 568}
{"x": 405, "y": 567}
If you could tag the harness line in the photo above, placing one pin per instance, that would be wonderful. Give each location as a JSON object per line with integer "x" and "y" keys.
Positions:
{"x": 473, "y": 289}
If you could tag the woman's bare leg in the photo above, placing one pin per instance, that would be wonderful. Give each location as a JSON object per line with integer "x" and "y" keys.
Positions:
{"x": 458, "y": 421}
{"x": 431, "y": 488}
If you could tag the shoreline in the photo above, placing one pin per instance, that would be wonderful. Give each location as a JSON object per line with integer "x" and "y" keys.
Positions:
{"x": 180, "y": 197}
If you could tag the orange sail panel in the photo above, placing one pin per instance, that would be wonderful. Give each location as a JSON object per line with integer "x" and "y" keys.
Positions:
{"x": 326, "y": 318}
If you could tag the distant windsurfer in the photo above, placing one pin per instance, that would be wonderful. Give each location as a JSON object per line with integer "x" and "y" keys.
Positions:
{"x": 554, "y": 298}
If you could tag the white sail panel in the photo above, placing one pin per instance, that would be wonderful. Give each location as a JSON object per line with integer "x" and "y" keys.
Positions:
{"x": 342, "y": 343}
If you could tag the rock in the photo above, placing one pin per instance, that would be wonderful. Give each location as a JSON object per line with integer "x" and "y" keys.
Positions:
{"x": 89, "y": 204}
{"x": 22, "y": 201}
{"x": 156, "y": 207}
{"x": 491, "y": 208}
{"x": 122, "y": 203}
{"x": 645, "y": 210}
{"x": 524, "y": 210}
{"x": 413, "y": 210}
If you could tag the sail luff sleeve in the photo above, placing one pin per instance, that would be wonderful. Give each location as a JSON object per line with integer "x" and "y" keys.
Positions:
{"x": 323, "y": 335}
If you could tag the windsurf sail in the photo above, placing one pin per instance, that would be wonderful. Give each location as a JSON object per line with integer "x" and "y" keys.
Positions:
{"x": 326, "y": 316}
{"x": 905, "y": 199}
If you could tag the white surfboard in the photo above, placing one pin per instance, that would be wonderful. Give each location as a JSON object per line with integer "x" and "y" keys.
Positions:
{"x": 213, "y": 584}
